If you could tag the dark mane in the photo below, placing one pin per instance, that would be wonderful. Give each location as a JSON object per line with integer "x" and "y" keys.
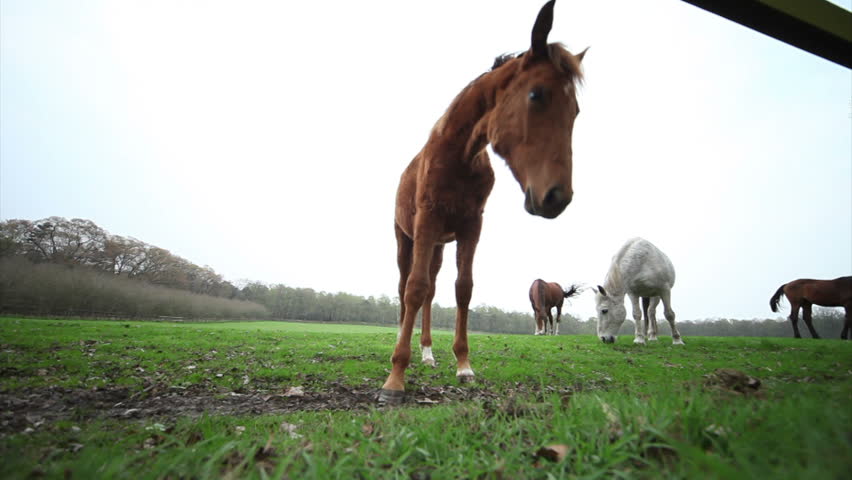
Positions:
{"x": 503, "y": 58}
{"x": 559, "y": 55}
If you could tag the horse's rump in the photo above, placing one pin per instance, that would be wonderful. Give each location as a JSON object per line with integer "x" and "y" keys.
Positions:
{"x": 827, "y": 293}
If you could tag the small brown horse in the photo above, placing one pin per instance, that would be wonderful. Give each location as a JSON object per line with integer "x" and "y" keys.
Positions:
{"x": 805, "y": 292}
{"x": 543, "y": 297}
{"x": 524, "y": 107}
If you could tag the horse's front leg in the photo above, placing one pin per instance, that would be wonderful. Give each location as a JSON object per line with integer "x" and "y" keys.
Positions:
{"x": 404, "y": 246}
{"x": 426, "y": 325}
{"x": 465, "y": 250}
{"x": 847, "y": 325}
{"x": 639, "y": 327}
{"x": 416, "y": 288}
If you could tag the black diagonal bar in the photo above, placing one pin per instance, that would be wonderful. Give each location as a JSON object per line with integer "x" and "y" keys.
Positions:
{"x": 816, "y": 26}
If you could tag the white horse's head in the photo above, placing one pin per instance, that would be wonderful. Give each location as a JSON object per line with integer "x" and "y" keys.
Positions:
{"x": 611, "y": 314}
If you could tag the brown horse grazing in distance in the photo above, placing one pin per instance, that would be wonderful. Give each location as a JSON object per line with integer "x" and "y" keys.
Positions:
{"x": 543, "y": 297}
{"x": 805, "y": 292}
{"x": 524, "y": 107}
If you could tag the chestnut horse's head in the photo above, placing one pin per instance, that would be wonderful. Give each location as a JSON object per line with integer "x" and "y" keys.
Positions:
{"x": 531, "y": 123}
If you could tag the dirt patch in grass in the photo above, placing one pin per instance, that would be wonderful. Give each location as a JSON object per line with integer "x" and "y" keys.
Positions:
{"x": 32, "y": 407}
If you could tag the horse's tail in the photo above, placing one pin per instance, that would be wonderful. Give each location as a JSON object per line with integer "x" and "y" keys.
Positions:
{"x": 542, "y": 296}
{"x": 571, "y": 292}
{"x": 536, "y": 290}
{"x": 773, "y": 302}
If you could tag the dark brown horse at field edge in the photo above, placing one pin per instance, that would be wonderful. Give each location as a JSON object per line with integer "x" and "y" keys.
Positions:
{"x": 524, "y": 107}
{"x": 543, "y": 297}
{"x": 805, "y": 292}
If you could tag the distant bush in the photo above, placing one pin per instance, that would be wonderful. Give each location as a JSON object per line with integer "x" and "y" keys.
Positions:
{"x": 51, "y": 289}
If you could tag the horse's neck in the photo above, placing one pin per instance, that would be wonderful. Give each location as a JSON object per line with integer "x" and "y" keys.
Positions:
{"x": 460, "y": 134}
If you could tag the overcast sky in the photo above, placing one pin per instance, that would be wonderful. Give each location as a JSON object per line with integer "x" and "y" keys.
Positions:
{"x": 266, "y": 139}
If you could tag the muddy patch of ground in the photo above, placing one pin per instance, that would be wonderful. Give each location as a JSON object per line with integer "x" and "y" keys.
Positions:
{"x": 31, "y": 407}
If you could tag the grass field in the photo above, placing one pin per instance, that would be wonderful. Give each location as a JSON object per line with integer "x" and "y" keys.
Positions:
{"x": 120, "y": 399}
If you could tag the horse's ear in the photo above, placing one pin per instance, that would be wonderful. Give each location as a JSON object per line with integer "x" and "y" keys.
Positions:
{"x": 541, "y": 29}
{"x": 601, "y": 290}
{"x": 580, "y": 55}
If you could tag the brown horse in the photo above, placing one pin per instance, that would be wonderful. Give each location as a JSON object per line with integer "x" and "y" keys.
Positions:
{"x": 543, "y": 297}
{"x": 524, "y": 107}
{"x": 805, "y": 292}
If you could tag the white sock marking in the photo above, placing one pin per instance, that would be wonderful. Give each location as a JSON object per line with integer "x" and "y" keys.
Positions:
{"x": 427, "y": 356}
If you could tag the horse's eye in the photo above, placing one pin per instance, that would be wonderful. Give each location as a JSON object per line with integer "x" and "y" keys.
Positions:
{"x": 603, "y": 311}
{"x": 536, "y": 94}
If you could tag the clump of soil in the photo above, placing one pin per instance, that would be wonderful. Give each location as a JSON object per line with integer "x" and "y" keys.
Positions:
{"x": 732, "y": 380}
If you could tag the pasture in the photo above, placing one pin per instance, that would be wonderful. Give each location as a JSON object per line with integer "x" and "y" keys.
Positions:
{"x": 95, "y": 399}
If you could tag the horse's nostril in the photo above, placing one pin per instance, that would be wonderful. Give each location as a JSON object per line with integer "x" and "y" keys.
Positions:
{"x": 554, "y": 197}
{"x": 553, "y": 203}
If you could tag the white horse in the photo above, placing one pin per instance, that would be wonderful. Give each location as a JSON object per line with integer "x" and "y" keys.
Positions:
{"x": 640, "y": 270}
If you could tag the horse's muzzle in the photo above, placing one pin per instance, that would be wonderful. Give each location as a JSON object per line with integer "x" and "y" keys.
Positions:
{"x": 608, "y": 339}
{"x": 553, "y": 203}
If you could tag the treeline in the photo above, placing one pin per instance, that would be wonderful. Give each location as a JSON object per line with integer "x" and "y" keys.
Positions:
{"x": 47, "y": 289}
{"x": 56, "y": 266}
{"x": 828, "y": 323}
{"x": 79, "y": 242}
{"x": 307, "y": 304}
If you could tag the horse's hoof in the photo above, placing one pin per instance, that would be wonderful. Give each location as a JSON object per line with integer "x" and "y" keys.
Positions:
{"x": 465, "y": 375}
{"x": 429, "y": 362}
{"x": 639, "y": 341}
{"x": 652, "y": 339}
{"x": 391, "y": 397}
{"x": 677, "y": 341}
